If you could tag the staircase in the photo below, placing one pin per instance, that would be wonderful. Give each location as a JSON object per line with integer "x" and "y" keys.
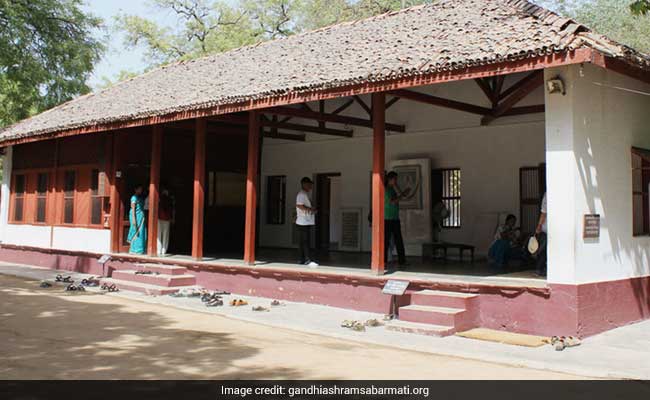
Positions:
{"x": 437, "y": 313}
{"x": 163, "y": 280}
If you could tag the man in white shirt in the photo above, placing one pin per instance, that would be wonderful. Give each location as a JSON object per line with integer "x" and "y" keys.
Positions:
{"x": 540, "y": 232}
{"x": 305, "y": 220}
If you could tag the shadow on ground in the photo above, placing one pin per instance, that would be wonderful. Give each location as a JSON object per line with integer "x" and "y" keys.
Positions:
{"x": 47, "y": 335}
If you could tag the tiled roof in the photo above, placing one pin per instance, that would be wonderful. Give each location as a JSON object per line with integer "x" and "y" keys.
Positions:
{"x": 449, "y": 34}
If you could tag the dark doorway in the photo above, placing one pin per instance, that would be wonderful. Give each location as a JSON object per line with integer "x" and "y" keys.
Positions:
{"x": 324, "y": 205}
{"x": 532, "y": 186}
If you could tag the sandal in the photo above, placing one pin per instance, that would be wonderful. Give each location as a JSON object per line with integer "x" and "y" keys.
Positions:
{"x": 276, "y": 303}
{"x": 238, "y": 302}
{"x": 214, "y": 302}
{"x": 45, "y": 284}
{"x": 67, "y": 279}
{"x": 260, "y": 308}
{"x": 373, "y": 323}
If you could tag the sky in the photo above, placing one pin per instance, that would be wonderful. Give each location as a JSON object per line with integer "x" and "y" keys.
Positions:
{"x": 117, "y": 57}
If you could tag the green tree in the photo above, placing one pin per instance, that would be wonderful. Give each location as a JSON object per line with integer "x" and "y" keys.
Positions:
{"x": 47, "y": 52}
{"x": 612, "y": 18}
{"x": 640, "y": 7}
{"x": 212, "y": 26}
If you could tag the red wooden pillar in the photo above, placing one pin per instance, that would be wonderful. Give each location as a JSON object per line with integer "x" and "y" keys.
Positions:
{"x": 199, "y": 189}
{"x": 154, "y": 189}
{"x": 116, "y": 192}
{"x": 251, "y": 186}
{"x": 378, "y": 167}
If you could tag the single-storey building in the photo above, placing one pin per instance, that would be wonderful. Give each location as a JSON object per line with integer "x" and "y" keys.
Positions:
{"x": 482, "y": 106}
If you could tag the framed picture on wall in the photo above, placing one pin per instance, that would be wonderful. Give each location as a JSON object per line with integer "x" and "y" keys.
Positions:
{"x": 409, "y": 180}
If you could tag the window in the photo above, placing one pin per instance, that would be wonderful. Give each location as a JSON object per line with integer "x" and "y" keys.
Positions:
{"x": 20, "y": 184}
{"x": 41, "y": 197}
{"x": 640, "y": 189}
{"x": 69, "y": 185}
{"x": 96, "y": 198}
{"x": 446, "y": 190}
{"x": 276, "y": 200}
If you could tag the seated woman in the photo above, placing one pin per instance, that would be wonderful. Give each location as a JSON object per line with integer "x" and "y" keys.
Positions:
{"x": 505, "y": 246}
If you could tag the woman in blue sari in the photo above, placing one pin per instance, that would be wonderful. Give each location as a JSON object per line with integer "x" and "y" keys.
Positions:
{"x": 137, "y": 231}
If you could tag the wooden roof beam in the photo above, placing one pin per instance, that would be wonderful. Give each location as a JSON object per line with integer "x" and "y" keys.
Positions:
{"x": 285, "y": 136}
{"x": 335, "y": 118}
{"x": 362, "y": 104}
{"x": 531, "y": 83}
{"x": 440, "y": 102}
{"x": 343, "y": 106}
{"x": 486, "y": 88}
{"x": 392, "y": 101}
{"x": 536, "y": 75}
{"x": 307, "y": 128}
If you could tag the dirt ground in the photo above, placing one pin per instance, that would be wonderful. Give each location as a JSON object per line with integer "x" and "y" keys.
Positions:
{"x": 50, "y": 334}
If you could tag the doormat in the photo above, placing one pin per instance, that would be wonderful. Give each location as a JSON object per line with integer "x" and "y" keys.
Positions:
{"x": 517, "y": 339}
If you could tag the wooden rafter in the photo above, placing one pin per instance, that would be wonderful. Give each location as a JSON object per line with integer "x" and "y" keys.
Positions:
{"x": 339, "y": 119}
{"x": 307, "y": 128}
{"x": 523, "y": 89}
{"x": 486, "y": 88}
{"x": 498, "y": 87}
{"x": 536, "y": 109}
{"x": 537, "y": 75}
{"x": 343, "y": 107}
{"x": 362, "y": 104}
{"x": 440, "y": 102}
{"x": 285, "y": 136}
{"x": 390, "y": 102}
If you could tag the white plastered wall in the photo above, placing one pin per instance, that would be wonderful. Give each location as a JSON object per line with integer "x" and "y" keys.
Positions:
{"x": 489, "y": 158}
{"x": 46, "y": 237}
{"x": 590, "y": 132}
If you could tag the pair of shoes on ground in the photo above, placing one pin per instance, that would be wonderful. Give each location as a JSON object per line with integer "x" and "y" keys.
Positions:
{"x": 91, "y": 282}
{"x": 560, "y": 343}
{"x": 61, "y": 278}
{"x": 109, "y": 288}
{"x": 72, "y": 288}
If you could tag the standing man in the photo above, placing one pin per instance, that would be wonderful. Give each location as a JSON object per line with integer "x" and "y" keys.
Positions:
{"x": 392, "y": 225}
{"x": 541, "y": 233}
{"x": 166, "y": 216}
{"x": 305, "y": 220}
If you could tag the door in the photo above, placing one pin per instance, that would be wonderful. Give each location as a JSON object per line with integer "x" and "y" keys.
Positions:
{"x": 132, "y": 176}
{"x": 323, "y": 204}
{"x": 532, "y": 186}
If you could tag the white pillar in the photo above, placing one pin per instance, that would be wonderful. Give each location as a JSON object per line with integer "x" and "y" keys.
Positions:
{"x": 560, "y": 179}
{"x": 7, "y": 162}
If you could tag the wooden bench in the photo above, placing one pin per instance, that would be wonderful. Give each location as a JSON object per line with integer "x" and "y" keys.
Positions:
{"x": 441, "y": 247}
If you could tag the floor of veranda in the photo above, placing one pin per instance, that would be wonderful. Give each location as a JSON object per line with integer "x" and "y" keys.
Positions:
{"x": 358, "y": 264}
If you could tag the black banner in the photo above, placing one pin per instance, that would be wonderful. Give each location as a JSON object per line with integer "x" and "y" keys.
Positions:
{"x": 325, "y": 390}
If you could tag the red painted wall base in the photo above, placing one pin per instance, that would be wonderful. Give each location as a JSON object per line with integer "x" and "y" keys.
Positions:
{"x": 580, "y": 310}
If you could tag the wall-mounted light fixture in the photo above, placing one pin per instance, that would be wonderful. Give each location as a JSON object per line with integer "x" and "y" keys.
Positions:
{"x": 555, "y": 85}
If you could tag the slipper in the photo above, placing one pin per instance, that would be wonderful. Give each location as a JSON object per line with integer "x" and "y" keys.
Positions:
{"x": 260, "y": 308}
{"x": 59, "y": 278}
{"x": 113, "y": 288}
{"x": 389, "y": 317}
{"x": 372, "y": 323}
{"x": 276, "y": 303}
{"x": 45, "y": 284}
{"x": 571, "y": 341}
{"x": 214, "y": 303}
{"x": 358, "y": 326}
{"x": 67, "y": 279}
{"x": 73, "y": 288}
{"x": 238, "y": 302}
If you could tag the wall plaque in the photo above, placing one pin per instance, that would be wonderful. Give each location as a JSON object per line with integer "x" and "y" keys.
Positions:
{"x": 591, "y": 226}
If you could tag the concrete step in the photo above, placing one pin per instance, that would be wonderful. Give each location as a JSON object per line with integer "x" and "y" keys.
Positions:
{"x": 150, "y": 290}
{"x": 439, "y": 298}
{"x": 444, "y": 316}
{"x": 163, "y": 280}
{"x": 163, "y": 269}
{"x": 420, "y": 329}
